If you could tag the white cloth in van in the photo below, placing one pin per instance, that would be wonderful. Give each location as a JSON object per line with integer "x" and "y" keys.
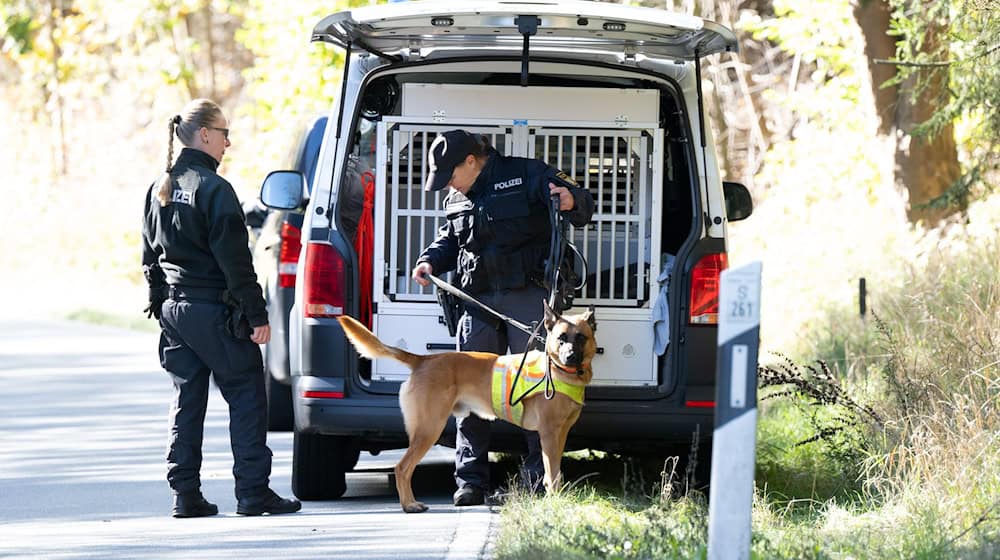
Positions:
{"x": 661, "y": 312}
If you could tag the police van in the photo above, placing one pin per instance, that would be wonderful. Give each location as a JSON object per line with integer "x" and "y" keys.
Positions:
{"x": 607, "y": 93}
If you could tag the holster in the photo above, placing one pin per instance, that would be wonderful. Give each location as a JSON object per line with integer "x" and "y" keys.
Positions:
{"x": 237, "y": 325}
{"x": 451, "y": 306}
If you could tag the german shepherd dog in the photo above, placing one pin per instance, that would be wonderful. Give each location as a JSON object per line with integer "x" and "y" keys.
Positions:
{"x": 462, "y": 382}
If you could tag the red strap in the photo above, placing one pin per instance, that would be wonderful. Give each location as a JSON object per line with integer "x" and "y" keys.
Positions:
{"x": 363, "y": 245}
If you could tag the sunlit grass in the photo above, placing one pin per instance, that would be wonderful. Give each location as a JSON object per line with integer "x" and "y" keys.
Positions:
{"x": 585, "y": 523}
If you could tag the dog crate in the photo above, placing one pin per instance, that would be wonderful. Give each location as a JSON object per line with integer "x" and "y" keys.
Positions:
{"x": 617, "y": 160}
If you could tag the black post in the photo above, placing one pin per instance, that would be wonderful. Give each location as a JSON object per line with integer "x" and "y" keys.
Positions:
{"x": 862, "y": 296}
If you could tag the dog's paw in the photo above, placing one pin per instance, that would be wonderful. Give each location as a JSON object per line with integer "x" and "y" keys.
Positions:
{"x": 415, "y": 507}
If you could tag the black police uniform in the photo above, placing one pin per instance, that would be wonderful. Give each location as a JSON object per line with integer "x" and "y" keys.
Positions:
{"x": 497, "y": 237}
{"x": 200, "y": 242}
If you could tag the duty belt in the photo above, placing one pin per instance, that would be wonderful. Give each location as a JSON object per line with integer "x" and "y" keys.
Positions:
{"x": 178, "y": 293}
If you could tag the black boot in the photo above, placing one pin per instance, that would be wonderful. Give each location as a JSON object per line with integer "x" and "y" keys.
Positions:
{"x": 193, "y": 504}
{"x": 268, "y": 503}
{"x": 469, "y": 496}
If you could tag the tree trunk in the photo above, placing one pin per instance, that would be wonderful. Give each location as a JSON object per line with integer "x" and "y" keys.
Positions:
{"x": 874, "y": 16}
{"x": 926, "y": 166}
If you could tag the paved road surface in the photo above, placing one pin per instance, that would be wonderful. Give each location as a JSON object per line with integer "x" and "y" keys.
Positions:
{"x": 82, "y": 438}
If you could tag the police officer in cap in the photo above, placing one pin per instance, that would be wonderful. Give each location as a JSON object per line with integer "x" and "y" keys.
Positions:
{"x": 196, "y": 258}
{"x": 497, "y": 238}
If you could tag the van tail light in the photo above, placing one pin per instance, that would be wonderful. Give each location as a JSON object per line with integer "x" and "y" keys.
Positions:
{"x": 324, "y": 281}
{"x": 322, "y": 394}
{"x": 705, "y": 288}
{"x": 700, "y": 404}
{"x": 288, "y": 256}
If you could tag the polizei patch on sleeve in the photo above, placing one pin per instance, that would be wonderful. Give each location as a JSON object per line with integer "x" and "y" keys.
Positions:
{"x": 564, "y": 177}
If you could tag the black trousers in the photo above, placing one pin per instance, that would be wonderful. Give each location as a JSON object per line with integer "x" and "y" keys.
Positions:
{"x": 193, "y": 347}
{"x": 472, "y": 442}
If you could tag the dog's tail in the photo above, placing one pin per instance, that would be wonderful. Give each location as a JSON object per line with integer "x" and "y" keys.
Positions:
{"x": 369, "y": 346}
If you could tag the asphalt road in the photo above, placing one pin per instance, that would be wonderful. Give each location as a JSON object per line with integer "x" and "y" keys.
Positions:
{"x": 82, "y": 440}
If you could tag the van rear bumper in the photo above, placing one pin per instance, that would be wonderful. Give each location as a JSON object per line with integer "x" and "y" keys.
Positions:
{"x": 607, "y": 425}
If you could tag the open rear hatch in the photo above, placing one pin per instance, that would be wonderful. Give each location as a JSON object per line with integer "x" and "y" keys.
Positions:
{"x": 393, "y": 30}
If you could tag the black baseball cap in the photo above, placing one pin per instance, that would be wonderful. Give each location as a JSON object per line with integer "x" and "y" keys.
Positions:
{"x": 447, "y": 151}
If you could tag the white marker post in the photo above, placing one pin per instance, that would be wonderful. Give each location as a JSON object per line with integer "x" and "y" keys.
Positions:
{"x": 735, "y": 438}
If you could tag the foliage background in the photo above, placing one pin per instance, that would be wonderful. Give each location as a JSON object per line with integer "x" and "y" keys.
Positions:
{"x": 84, "y": 131}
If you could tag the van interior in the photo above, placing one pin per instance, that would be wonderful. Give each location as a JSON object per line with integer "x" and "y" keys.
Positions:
{"x": 620, "y": 135}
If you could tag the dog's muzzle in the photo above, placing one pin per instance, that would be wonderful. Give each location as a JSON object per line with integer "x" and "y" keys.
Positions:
{"x": 569, "y": 356}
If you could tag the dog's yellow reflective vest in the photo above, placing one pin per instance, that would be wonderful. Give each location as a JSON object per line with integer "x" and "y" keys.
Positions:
{"x": 504, "y": 372}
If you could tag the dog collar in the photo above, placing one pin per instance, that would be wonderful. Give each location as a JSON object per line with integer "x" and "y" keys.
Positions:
{"x": 575, "y": 371}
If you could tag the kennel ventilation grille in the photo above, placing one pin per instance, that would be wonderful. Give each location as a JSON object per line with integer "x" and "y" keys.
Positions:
{"x": 618, "y": 166}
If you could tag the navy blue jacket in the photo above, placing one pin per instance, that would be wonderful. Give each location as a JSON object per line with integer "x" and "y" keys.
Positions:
{"x": 200, "y": 238}
{"x": 497, "y": 237}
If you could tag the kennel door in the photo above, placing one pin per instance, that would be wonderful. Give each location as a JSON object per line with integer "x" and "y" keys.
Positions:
{"x": 619, "y": 167}
{"x": 408, "y": 215}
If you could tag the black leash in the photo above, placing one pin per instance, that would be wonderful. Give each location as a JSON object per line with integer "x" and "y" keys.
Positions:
{"x": 550, "y": 388}
{"x": 557, "y": 249}
{"x": 442, "y": 285}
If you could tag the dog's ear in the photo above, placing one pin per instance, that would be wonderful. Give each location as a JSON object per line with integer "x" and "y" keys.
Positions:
{"x": 589, "y": 316}
{"x": 550, "y": 317}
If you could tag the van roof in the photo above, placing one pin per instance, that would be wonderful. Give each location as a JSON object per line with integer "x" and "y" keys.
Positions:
{"x": 570, "y": 26}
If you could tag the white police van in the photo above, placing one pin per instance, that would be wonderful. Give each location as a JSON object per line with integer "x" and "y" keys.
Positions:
{"x": 605, "y": 92}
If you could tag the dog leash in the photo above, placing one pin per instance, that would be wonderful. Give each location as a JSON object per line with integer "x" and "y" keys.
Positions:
{"x": 442, "y": 285}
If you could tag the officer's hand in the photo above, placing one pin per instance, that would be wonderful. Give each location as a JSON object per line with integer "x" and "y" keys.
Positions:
{"x": 152, "y": 310}
{"x": 261, "y": 335}
{"x": 420, "y": 271}
{"x": 566, "y": 200}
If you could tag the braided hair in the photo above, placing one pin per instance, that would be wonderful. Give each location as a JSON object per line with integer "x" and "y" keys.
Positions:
{"x": 195, "y": 115}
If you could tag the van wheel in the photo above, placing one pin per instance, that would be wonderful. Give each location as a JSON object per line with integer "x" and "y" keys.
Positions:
{"x": 279, "y": 404}
{"x": 319, "y": 465}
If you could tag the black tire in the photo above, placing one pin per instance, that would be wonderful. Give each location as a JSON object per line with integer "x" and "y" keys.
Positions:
{"x": 320, "y": 463}
{"x": 279, "y": 405}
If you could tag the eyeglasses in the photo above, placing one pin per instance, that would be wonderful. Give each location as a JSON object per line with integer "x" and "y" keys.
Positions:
{"x": 224, "y": 131}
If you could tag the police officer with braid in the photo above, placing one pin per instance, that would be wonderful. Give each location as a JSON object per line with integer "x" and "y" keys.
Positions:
{"x": 497, "y": 238}
{"x": 212, "y": 314}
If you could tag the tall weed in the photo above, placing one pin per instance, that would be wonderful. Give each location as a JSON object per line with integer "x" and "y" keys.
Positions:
{"x": 941, "y": 379}
{"x": 928, "y": 364}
